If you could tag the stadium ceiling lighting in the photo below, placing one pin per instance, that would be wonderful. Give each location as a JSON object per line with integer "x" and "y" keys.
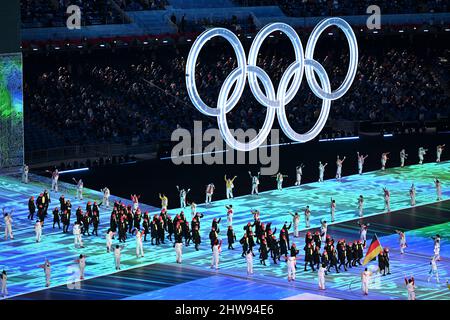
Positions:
{"x": 447, "y": 30}
{"x": 165, "y": 41}
{"x": 249, "y": 37}
{"x": 375, "y": 31}
{"x": 74, "y": 170}
{"x": 401, "y": 31}
{"x": 388, "y": 135}
{"x": 415, "y": 28}
{"x": 145, "y": 42}
{"x": 426, "y": 30}
{"x": 330, "y": 33}
{"x": 57, "y": 48}
{"x": 156, "y": 39}
{"x": 129, "y": 162}
{"x": 339, "y": 139}
{"x": 271, "y": 36}
{"x": 102, "y": 45}
{"x": 277, "y": 144}
{"x": 194, "y": 154}
{"x": 188, "y": 40}
{"x": 79, "y": 46}
{"x": 35, "y": 49}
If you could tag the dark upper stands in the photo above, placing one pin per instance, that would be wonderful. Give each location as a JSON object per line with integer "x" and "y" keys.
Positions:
{"x": 312, "y": 8}
{"x": 138, "y": 5}
{"x": 52, "y": 13}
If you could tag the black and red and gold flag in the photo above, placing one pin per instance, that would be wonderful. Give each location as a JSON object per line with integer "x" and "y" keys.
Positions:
{"x": 373, "y": 251}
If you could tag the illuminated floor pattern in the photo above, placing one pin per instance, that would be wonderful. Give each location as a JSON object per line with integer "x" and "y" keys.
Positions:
{"x": 182, "y": 282}
{"x": 21, "y": 256}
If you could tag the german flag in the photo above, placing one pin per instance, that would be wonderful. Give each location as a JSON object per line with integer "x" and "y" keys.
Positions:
{"x": 373, "y": 251}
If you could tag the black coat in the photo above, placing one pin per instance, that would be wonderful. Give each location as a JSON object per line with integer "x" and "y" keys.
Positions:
{"x": 231, "y": 236}
{"x": 31, "y": 206}
{"x": 263, "y": 252}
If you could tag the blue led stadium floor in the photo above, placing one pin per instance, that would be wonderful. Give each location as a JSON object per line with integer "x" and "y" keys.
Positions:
{"x": 21, "y": 256}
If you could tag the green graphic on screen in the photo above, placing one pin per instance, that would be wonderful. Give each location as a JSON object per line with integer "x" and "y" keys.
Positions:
{"x": 11, "y": 111}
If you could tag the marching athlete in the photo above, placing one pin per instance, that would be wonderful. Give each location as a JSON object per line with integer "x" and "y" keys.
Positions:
{"x": 38, "y": 230}
{"x": 109, "y": 237}
{"x": 439, "y": 150}
{"x": 106, "y": 195}
{"x": 291, "y": 262}
{"x": 361, "y": 159}
{"x": 433, "y": 270}
{"x": 77, "y": 235}
{"x": 365, "y": 279}
{"x": 216, "y": 249}
{"x": 402, "y": 240}
{"x": 82, "y": 265}
{"x": 139, "y": 244}
{"x": 178, "y": 245}
{"x": 135, "y": 200}
{"x": 307, "y": 216}
{"x": 412, "y": 195}
{"x": 339, "y": 163}
{"x": 323, "y": 231}
{"x": 295, "y": 221}
{"x": 164, "y": 201}
{"x": 79, "y": 184}
{"x": 230, "y": 213}
{"x": 438, "y": 185}
{"x": 209, "y": 193}
{"x": 411, "y": 287}
{"x": 384, "y": 159}
{"x": 421, "y": 153}
{"x": 437, "y": 247}
{"x": 333, "y": 209}
{"x": 321, "y": 273}
{"x": 55, "y": 177}
{"x": 117, "y": 256}
{"x": 279, "y": 177}
{"x": 229, "y": 184}
{"x": 363, "y": 232}
{"x": 255, "y": 182}
{"x": 4, "y": 279}
{"x": 387, "y": 200}
{"x": 47, "y": 270}
{"x": 298, "y": 174}
{"x": 403, "y": 157}
{"x": 360, "y": 205}
{"x": 183, "y": 194}
{"x": 193, "y": 206}
{"x": 8, "y": 224}
{"x": 249, "y": 260}
{"x": 321, "y": 170}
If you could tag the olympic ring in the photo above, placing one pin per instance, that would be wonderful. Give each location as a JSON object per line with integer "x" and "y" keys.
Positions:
{"x": 274, "y": 101}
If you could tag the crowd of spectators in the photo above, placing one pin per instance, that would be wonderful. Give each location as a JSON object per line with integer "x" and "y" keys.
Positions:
{"x": 312, "y": 8}
{"x": 107, "y": 99}
{"x": 235, "y": 24}
{"x": 139, "y": 5}
{"x": 52, "y": 13}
